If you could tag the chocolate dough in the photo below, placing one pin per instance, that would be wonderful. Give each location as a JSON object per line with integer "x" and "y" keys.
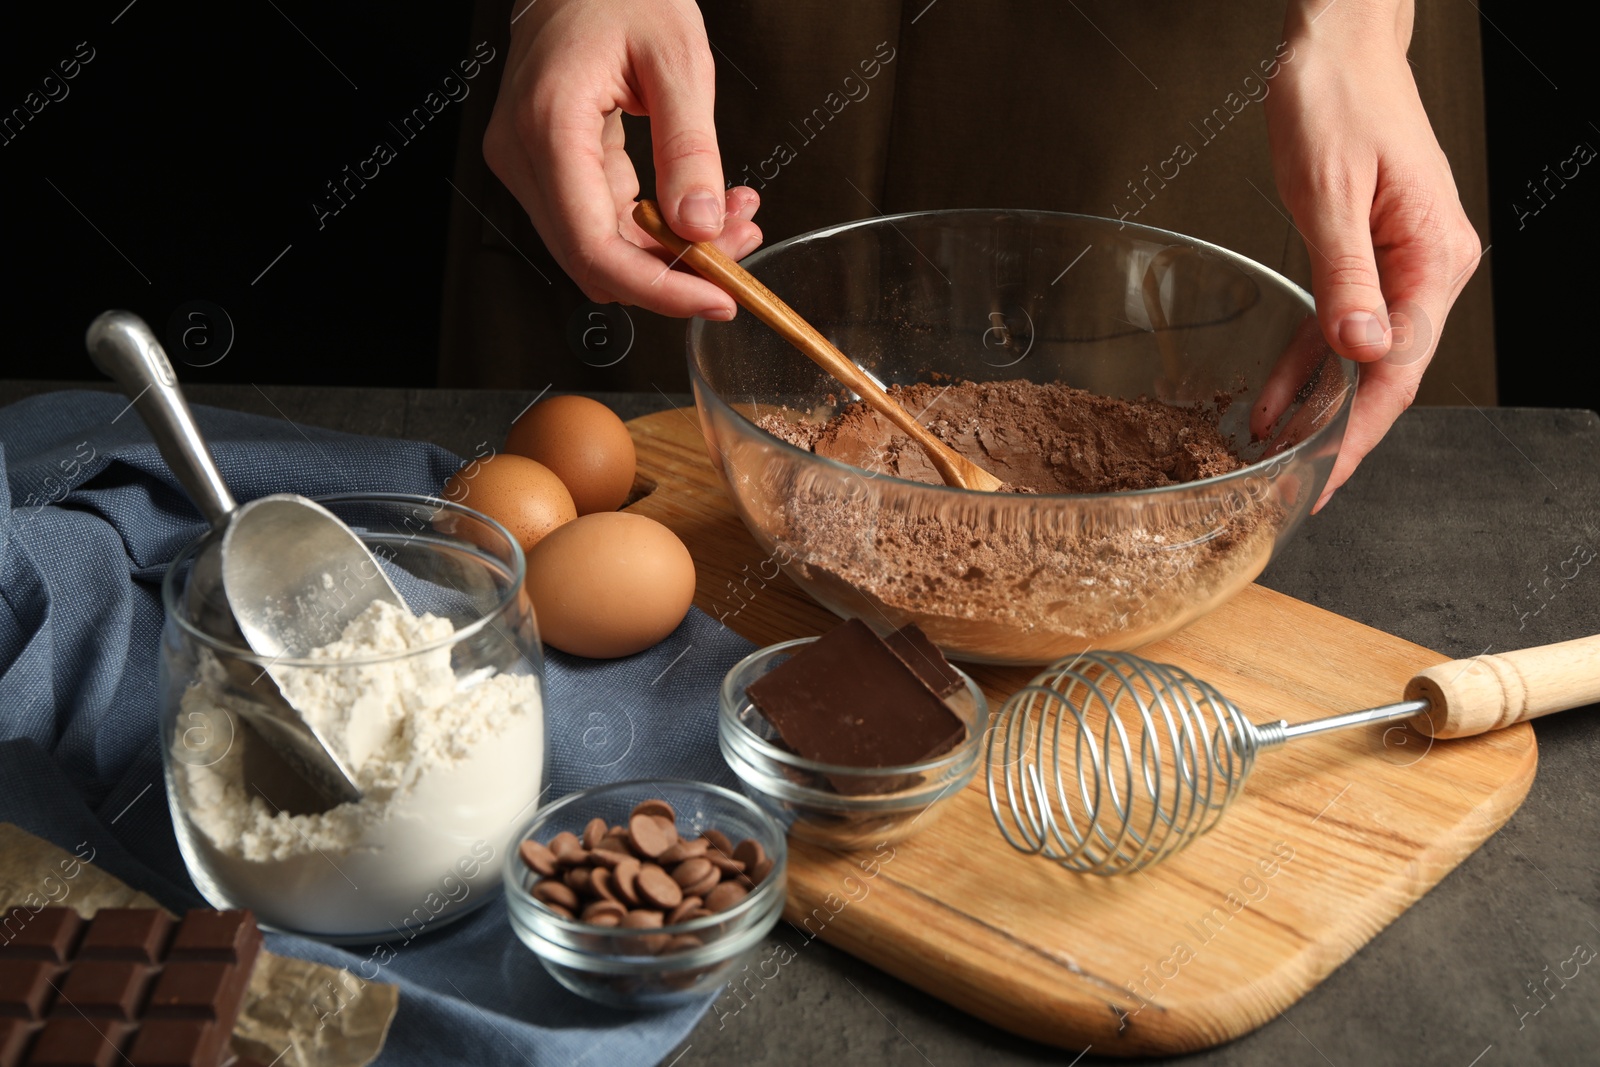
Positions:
{"x": 1036, "y": 438}
{"x": 1008, "y": 578}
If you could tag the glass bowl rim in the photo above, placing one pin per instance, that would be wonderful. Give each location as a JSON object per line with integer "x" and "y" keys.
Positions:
{"x": 740, "y": 913}
{"x": 508, "y": 596}
{"x": 728, "y": 714}
{"x": 1261, "y": 466}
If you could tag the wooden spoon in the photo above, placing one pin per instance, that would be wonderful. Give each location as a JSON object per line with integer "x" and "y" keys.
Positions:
{"x": 709, "y": 262}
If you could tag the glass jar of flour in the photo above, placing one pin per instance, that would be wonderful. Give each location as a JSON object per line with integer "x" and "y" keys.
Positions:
{"x": 438, "y": 712}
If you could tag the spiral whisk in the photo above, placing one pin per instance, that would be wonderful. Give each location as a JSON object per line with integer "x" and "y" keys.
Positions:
{"x": 1108, "y": 763}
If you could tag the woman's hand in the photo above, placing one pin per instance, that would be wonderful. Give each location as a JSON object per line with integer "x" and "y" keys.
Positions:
{"x": 555, "y": 140}
{"x": 1371, "y": 192}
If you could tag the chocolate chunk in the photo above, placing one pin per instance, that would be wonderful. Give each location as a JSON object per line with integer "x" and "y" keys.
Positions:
{"x": 190, "y": 990}
{"x": 173, "y": 1043}
{"x": 103, "y": 988}
{"x": 223, "y": 936}
{"x": 848, "y": 700}
{"x": 78, "y": 1043}
{"x": 925, "y": 659}
{"x": 14, "y": 1037}
{"x": 25, "y": 988}
{"x": 47, "y": 934}
{"x": 137, "y": 934}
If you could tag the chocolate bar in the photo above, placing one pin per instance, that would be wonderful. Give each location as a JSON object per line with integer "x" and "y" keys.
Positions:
{"x": 129, "y": 986}
{"x": 924, "y": 658}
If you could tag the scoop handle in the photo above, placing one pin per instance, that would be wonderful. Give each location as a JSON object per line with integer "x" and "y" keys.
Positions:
{"x": 1473, "y": 696}
{"x": 712, "y": 264}
{"x": 123, "y": 347}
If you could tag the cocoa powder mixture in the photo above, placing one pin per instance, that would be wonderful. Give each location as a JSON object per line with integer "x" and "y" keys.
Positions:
{"x": 1009, "y": 578}
{"x": 1042, "y": 438}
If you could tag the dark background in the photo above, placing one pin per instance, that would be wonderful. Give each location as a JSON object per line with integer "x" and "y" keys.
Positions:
{"x": 199, "y": 135}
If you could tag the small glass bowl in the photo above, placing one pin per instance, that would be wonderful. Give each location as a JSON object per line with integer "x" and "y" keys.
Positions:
{"x": 620, "y": 967}
{"x": 802, "y": 794}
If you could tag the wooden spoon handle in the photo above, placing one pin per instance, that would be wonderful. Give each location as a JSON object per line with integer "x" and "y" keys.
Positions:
{"x": 1473, "y": 696}
{"x": 710, "y": 263}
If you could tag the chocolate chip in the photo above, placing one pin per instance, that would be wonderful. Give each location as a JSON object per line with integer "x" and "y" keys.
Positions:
{"x": 604, "y": 907}
{"x": 685, "y": 906}
{"x": 692, "y": 871}
{"x": 622, "y": 881}
{"x": 605, "y": 857}
{"x": 749, "y": 852}
{"x": 682, "y": 943}
{"x": 718, "y": 841}
{"x": 657, "y": 888}
{"x": 704, "y": 885}
{"x": 641, "y": 919}
{"x": 553, "y": 892}
{"x": 593, "y": 832}
{"x": 600, "y": 884}
{"x": 685, "y": 850}
{"x": 613, "y": 843}
{"x": 571, "y": 854}
{"x": 559, "y": 910}
{"x": 540, "y": 860}
{"x": 725, "y": 864}
{"x": 651, "y": 837}
{"x": 562, "y": 840}
{"x": 656, "y": 807}
{"x": 644, "y": 920}
{"x": 759, "y": 872}
{"x": 724, "y": 896}
{"x": 578, "y": 879}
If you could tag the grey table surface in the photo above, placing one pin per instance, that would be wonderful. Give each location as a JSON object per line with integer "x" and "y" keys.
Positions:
{"x": 1445, "y": 537}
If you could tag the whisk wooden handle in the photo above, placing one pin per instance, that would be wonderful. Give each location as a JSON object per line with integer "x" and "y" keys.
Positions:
{"x": 1473, "y": 696}
{"x": 710, "y": 263}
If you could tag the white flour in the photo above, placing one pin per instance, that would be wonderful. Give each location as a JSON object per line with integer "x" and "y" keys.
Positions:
{"x": 445, "y": 767}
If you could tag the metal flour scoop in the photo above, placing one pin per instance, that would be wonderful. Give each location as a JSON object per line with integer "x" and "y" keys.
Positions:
{"x": 278, "y": 558}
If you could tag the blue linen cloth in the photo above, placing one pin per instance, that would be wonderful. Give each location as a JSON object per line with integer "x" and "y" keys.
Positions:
{"x": 89, "y": 517}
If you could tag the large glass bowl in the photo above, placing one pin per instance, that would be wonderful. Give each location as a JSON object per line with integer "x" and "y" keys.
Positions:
{"x": 461, "y": 765}
{"x": 990, "y": 295}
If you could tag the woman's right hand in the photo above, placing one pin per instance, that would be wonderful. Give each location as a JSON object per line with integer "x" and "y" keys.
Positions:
{"x": 556, "y": 141}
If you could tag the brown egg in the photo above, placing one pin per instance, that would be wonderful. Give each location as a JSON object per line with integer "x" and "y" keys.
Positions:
{"x": 585, "y": 443}
{"x": 609, "y": 584}
{"x": 523, "y": 496}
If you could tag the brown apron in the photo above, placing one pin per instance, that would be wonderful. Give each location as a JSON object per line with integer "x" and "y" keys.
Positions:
{"x": 844, "y": 111}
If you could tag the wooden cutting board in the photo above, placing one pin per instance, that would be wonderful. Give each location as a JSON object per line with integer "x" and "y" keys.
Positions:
{"x": 1332, "y": 838}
